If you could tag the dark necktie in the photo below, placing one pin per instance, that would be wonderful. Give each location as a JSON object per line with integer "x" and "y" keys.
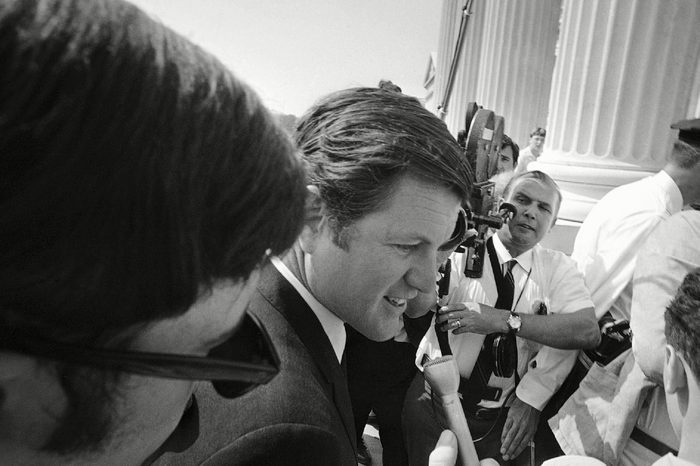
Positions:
{"x": 344, "y": 364}
{"x": 506, "y": 287}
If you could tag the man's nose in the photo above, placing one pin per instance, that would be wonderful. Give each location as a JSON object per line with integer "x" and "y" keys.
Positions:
{"x": 421, "y": 275}
{"x": 530, "y": 211}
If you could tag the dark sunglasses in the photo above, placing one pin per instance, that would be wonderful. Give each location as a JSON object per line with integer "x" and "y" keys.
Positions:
{"x": 459, "y": 233}
{"x": 246, "y": 360}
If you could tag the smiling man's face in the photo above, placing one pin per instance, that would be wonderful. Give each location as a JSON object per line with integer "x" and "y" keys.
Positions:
{"x": 537, "y": 203}
{"x": 391, "y": 255}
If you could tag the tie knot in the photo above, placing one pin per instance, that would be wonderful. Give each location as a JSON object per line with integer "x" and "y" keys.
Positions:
{"x": 508, "y": 266}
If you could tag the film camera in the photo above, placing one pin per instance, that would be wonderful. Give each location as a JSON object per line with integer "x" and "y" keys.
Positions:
{"x": 481, "y": 143}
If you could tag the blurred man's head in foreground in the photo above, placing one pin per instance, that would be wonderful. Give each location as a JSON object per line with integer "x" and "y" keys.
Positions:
{"x": 141, "y": 187}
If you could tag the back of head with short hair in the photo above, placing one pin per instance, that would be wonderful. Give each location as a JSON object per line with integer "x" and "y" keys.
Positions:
{"x": 684, "y": 154}
{"x": 135, "y": 170}
{"x": 683, "y": 321}
{"x": 357, "y": 142}
{"x": 539, "y": 132}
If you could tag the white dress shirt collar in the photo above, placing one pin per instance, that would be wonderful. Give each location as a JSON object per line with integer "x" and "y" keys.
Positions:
{"x": 674, "y": 198}
{"x": 332, "y": 325}
{"x": 524, "y": 260}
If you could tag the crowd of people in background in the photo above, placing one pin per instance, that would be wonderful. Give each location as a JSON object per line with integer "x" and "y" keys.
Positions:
{"x": 183, "y": 283}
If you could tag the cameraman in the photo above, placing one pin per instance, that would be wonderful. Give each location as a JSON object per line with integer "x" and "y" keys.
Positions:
{"x": 542, "y": 281}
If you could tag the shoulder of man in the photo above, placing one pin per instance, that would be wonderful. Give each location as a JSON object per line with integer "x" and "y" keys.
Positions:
{"x": 627, "y": 198}
{"x": 554, "y": 263}
{"x": 294, "y": 405}
{"x": 562, "y": 281}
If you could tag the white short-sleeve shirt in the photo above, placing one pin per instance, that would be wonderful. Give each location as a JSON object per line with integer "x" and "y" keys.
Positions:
{"x": 542, "y": 276}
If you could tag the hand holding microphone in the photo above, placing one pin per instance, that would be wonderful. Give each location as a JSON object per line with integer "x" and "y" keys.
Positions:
{"x": 443, "y": 376}
{"x": 445, "y": 452}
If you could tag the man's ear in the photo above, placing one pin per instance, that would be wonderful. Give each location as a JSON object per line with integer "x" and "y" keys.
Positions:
{"x": 313, "y": 218}
{"x": 675, "y": 378}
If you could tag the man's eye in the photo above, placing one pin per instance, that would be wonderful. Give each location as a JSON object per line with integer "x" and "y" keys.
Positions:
{"x": 405, "y": 248}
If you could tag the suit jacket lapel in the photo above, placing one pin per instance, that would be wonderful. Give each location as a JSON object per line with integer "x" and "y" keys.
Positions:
{"x": 282, "y": 295}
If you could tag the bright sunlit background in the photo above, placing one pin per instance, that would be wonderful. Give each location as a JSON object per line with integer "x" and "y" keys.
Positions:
{"x": 294, "y": 51}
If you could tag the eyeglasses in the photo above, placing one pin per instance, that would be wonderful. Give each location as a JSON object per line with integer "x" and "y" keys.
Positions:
{"x": 246, "y": 360}
{"x": 459, "y": 233}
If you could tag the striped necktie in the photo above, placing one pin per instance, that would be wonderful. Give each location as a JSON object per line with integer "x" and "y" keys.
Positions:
{"x": 507, "y": 289}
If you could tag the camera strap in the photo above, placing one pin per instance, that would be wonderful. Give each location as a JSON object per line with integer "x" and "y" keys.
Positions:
{"x": 475, "y": 388}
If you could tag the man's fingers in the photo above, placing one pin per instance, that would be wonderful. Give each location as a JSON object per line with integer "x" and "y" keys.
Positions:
{"x": 516, "y": 447}
{"x": 444, "y": 317}
{"x": 507, "y": 433}
{"x": 447, "y": 308}
{"x": 520, "y": 441}
{"x": 514, "y": 433}
{"x": 512, "y": 441}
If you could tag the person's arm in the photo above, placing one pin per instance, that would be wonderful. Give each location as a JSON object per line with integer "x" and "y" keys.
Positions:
{"x": 575, "y": 330}
{"x": 606, "y": 252}
{"x": 570, "y": 322}
{"x": 566, "y": 294}
{"x": 670, "y": 253}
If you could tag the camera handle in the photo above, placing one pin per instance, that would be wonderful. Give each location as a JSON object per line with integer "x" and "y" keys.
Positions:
{"x": 443, "y": 289}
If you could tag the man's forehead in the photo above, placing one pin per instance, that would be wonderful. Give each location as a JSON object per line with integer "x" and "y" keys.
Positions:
{"x": 534, "y": 188}
{"x": 416, "y": 208}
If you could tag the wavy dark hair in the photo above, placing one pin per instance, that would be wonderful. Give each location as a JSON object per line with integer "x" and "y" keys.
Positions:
{"x": 357, "y": 142}
{"x": 135, "y": 170}
{"x": 506, "y": 141}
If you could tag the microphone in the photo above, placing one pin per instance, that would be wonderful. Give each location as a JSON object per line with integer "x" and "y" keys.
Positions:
{"x": 443, "y": 376}
{"x": 445, "y": 452}
{"x": 507, "y": 211}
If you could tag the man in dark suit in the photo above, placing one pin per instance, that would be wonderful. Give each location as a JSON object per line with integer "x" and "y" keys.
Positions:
{"x": 386, "y": 182}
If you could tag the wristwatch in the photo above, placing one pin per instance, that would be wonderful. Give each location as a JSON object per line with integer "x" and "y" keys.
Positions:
{"x": 514, "y": 322}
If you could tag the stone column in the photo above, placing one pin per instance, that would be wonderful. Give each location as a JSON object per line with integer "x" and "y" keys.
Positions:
{"x": 506, "y": 62}
{"x": 625, "y": 70}
{"x": 517, "y": 61}
{"x": 464, "y": 86}
{"x": 694, "y": 103}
